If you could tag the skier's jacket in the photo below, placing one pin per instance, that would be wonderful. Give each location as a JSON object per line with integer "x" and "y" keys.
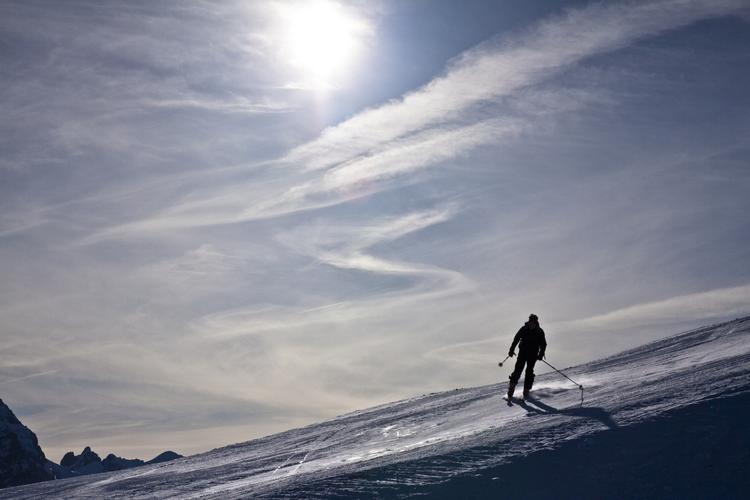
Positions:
{"x": 531, "y": 337}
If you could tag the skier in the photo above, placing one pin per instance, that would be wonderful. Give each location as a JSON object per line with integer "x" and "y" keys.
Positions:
{"x": 533, "y": 345}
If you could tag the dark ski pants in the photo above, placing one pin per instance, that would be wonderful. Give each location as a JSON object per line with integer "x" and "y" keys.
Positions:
{"x": 528, "y": 378}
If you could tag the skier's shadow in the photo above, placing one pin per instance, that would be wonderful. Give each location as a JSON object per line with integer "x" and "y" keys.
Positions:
{"x": 595, "y": 413}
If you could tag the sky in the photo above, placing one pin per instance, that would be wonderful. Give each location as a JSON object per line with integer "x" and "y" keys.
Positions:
{"x": 221, "y": 220}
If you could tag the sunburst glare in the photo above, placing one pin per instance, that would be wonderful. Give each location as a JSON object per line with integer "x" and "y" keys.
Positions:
{"x": 322, "y": 39}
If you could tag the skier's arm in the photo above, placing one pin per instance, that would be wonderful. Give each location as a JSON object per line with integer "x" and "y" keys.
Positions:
{"x": 516, "y": 340}
{"x": 542, "y": 345}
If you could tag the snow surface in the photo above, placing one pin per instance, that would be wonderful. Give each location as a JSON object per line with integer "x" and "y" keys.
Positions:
{"x": 466, "y": 437}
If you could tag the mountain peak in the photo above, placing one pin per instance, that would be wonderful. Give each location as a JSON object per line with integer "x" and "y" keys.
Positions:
{"x": 21, "y": 459}
{"x": 6, "y": 415}
{"x": 164, "y": 457}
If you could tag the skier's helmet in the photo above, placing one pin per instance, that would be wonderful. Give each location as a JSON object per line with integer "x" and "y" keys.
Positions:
{"x": 533, "y": 317}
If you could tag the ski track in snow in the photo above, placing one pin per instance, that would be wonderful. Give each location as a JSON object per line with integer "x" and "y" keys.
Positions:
{"x": 445, "y": 434}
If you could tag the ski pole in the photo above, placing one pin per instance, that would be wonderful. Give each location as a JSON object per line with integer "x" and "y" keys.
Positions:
{"x": 561, "y": 373}
{"x": 503, "y": 361}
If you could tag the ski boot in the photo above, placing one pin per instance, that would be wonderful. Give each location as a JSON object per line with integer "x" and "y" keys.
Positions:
{"x": 527, "y": 383}
{"x": 511, "y": 390}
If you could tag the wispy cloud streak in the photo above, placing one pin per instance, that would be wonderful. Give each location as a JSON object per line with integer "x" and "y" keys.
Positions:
{"x": 497, "y": 69}
{"x": 703, "y": 306}
{"x": 378, "y": 148}
{"x": 347, "y": 247}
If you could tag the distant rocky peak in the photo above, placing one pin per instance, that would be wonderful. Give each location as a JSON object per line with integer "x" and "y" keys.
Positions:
{"x": 7, "y": 416}
{"x": 86, "y": 457}
{"x": 164, "y": 457}
{"x": 10, "y": 424}
{"x": 88, "y": 462}
{"x": 68, "y": 459}
{"x": 21, "y": 459}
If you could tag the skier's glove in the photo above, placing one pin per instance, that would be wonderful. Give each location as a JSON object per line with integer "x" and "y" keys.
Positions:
{"x": 511, "y": 353}
{"x": 541, "y": 356}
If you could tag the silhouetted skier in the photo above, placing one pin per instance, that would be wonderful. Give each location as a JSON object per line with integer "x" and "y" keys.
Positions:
{"x": 533, "y": 345}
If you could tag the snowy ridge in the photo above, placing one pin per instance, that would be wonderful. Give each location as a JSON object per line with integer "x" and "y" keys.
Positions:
{"x": 413, "y": 446}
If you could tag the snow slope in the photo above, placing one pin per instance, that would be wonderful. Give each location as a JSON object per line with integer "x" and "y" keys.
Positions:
{"x": 666, "y": 419}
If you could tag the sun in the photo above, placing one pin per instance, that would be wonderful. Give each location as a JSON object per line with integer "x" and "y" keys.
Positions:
{"x": 322, "y": 40}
